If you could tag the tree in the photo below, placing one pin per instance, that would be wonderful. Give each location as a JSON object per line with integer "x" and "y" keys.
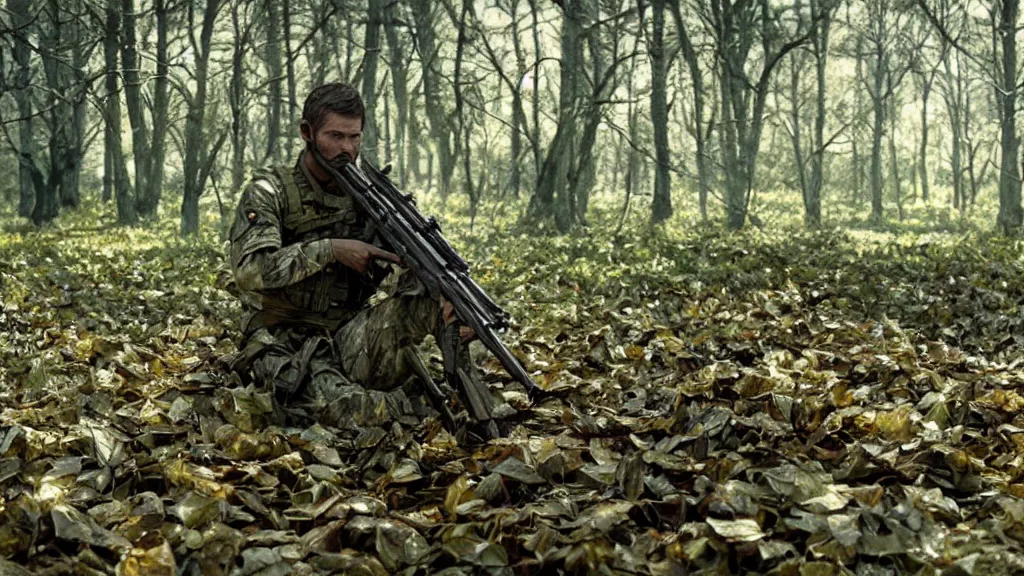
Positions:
{"x": 65, "y": 105}
{"x": 371, "y": 48}
{"x": 699, "y": 96}
{"x": 149, "y": 201}
{"x": 445, "y": 140}
{"x": 242, "y": 24}
{"x": 553, "y": 189}
{"x": 148, "y": 151}
{"x": 821, "y": 21}
{"x": 513, "y": 82}
{"x": 809, "y": 167}
{"x": 1002, "y": 72}
{"x": 199, "y": 156}
{"x": 925, "y": 78}
{"x": 30, "y": 178}
{"x": 565, "y": 176}
{"x": 607, "y": 27}
{"x": 290, "y": 56}
{"x": 661, "y": 207}
{"x": 133, "y": 97}
{"x": 461, "y": 22}
{"x": 891, "y": 54}
{"x": 122, "y": 186}
{"x": 1004, "y": 27}
{"x": 275, "y": 73}
{"x": 398, "y": 65}
{"x": 745, "y": 77}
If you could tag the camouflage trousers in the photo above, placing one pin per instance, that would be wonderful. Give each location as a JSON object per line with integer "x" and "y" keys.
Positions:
{"x": 360, "y": 375}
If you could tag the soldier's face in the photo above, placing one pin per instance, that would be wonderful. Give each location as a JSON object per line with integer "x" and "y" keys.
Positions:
{"x": 338, "y": 135}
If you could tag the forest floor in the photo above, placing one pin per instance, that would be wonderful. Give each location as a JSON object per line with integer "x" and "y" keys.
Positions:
{"x": 792, "y": 402}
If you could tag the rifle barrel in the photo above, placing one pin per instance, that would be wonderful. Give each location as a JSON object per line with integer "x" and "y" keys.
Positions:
{"x": 431, "y": 257}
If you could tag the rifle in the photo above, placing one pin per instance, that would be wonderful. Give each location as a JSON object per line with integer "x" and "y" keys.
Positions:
{"x": 426, "y": 252}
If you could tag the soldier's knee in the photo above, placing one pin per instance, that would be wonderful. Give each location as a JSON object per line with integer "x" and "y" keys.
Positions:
{"x": 409, "y": 285}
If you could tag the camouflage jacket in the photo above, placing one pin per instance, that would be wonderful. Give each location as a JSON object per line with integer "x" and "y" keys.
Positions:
{"x": 280, "y": 252}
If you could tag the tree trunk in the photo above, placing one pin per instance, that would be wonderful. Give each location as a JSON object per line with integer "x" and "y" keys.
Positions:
{"x": 894, "y": 166}
{"x": 972, "y": 148}
{"x": 583, "y": 172}
{"x": 795, "y": 130}
{"x": 293, "y": 104}
{"x": 464, "y": 123}
{"x": 736, "y": 179}
{"x": 956, "y": 160}
{"x": 661, "y": 207}
{"x": 445, "y": 140}
{"x": 858, "y": 92}
{"x": 430, "y": 171}
{"x": 349, "y": 45}
{"x": 953, "y": 94}
{"x": 538, "y": 157}
{"x": 372, "y": 51}
{"x": 414, "y": 141}
{"x": 515, "y": 175}
{"x": 876, "y": 162}
{"x": 821, "y": 23}
{"x": 108, "y": 160}
{"x": 155, "y": 179}
{"x": 877, "y": 129}
{"x": 1010, "y": 215}
{"x": 697, "y": 81}
{"x": 743, "y": 98}
{"x": 553, "y": 189}
{"x": 388, "y": 153}
{"x": 48, "y": 200}
{"x": 28, "y": 171}
{"x": 632, "y": 123}
{"x": 400, "y": 90}
{"x": 65, "y": 161}
{"x": 274, "y": 70}
{"x": 236, "y": 99}
{"x": 926, "y": 89}
{"x": 126, "y": 213}
{"x": 133, "y": 102}
{"x": 80, "y": 88}
{"x": 196, "y": 154}
{"x": 319, "y": 52}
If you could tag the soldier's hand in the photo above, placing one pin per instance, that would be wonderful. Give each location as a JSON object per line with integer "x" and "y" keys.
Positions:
{"x": 448, "y": 313}
{"x": 358, "y": 255}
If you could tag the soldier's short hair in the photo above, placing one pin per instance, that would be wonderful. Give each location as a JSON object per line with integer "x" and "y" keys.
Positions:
{"x": 338, "y": 97}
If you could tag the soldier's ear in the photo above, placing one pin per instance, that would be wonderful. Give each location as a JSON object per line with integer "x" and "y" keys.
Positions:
{"x": 306, "y": 131}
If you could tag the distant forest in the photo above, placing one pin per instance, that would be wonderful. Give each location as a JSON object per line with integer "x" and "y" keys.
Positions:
{"x": 877, "y": 104}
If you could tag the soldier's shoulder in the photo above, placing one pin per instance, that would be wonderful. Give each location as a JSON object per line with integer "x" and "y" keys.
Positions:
{"x": 271, "y": 174}
{"x": 266, "y": 182}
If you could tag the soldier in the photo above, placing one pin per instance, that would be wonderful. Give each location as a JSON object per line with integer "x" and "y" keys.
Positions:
{"x": 304, "y": 256}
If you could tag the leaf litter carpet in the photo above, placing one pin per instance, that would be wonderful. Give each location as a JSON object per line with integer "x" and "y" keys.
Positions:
{"x": 779, "y": 404}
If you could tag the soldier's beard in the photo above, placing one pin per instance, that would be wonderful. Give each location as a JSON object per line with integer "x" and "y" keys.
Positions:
{"x": 336, "y": 163}
{"x": 339, "y": 161}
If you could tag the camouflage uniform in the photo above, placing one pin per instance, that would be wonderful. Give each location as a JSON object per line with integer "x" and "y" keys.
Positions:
{"x": 308, "y": 332}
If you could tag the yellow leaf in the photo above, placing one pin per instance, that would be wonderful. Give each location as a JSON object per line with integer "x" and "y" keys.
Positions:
{"x": 895, "y": 424}
{"x": 458, "y": 492}
{"x": 841, "y": 395}
{"x": 156, "y": 561}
